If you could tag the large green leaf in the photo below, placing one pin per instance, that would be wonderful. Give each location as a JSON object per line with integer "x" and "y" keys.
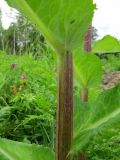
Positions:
{"x": 87, "y": 68}
{"x": 90, "y": 118}
{"x": 63, "y": 23}
{"x": 106, "y": 45}
{"x": 22, "y": 151}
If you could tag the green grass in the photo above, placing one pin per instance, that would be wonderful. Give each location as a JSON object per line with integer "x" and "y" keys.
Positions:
{"x": 27, "y": 98}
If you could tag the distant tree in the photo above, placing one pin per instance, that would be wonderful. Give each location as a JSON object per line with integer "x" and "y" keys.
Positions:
{"x": 10, "y": 39}
{"x": 22, "y": 36}
{"x": 94, "y": 33}
{"x": 88, "y": 40}
{"x": 1, "y": 33}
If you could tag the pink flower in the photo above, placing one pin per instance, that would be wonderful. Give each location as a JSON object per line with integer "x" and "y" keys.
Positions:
{"x": 13, "y": 66}
{"x": 23, "y": 77}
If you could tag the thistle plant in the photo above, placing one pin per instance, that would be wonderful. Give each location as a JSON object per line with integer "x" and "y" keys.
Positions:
{"x": 63, "y": 24}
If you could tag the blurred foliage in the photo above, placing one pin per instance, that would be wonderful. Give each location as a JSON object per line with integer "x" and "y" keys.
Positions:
{"x": 105, "y": 145}
{"x": 112, "y": 63}
{"x": 106, "y": 44}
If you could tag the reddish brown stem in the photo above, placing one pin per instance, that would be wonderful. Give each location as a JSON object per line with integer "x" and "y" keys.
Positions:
{"x": 88, "y": 48}
{"x": 84, "y": 94}
{"x": 81, "y": 156}
{"x": 64, "y": 130}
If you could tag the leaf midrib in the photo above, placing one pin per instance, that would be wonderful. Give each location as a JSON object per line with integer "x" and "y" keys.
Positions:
{"x": 104, "y": 120}
{"x": 99, "y": 122}
{"x": 46, "y": 32}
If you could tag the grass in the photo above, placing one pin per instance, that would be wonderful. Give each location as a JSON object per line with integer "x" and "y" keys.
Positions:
{"x": 27, "y": 98}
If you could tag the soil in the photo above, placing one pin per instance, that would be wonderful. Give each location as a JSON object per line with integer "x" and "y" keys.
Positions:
{"x": 110, "y": 80}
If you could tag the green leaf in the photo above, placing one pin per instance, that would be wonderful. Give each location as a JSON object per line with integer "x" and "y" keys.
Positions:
{"x": 91, "y": 118}
{"x": 2, "y": 157}
{"x": 87, "y": 68}
{"x": 22, "y": 151}
{"x": 63, "y": 23}
{"x": 106, "y": 45}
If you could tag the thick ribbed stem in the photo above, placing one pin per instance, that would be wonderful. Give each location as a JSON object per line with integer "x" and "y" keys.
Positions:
{"x": 64, "y": 130}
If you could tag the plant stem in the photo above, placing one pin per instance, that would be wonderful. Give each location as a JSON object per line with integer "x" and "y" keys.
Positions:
{"x": 84, "y": 94}
{"x": 64, "y": 131}
{"x": 88, "y": 48}
{"x": 81, "y": 156}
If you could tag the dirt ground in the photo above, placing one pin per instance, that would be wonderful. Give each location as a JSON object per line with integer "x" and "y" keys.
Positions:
{"x": 110, "y": 80}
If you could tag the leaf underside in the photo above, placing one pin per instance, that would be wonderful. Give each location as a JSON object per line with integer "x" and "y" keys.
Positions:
{"x": 87, "y": 69}
{"x": 91, "y": 118}
{"x": 63, "y": 23}
{"x": 21, "y": 151}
